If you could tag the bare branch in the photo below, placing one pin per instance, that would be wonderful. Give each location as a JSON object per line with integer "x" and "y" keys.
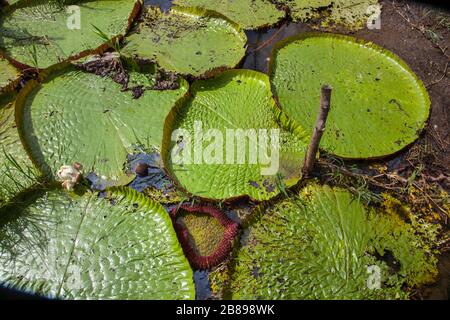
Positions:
{"x": 319, "y": 129}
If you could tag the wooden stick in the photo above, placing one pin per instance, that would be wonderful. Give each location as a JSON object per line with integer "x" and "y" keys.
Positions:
{"x": 319, "y": 129}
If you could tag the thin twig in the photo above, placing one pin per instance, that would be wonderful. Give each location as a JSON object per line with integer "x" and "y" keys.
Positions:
{"x": 319, "y": 129}
{"x": 441, "y": 78}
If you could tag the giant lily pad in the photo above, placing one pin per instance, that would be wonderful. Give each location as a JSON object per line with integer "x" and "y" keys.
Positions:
{"x": 325, "y": 245}
{"x": 243, "y": 151}
{"x": 249, "y": 14}
{"x": 16, "y": 170}
{"x": 8, "y": 75}
{"x": 354, "y": 14}
{"x": 84, "y": 247}
{"x": 378, "y": 105}
{"x": 40, "y": 33}
{"x": 188, "y": 40}
{"x": 74, "y": 116}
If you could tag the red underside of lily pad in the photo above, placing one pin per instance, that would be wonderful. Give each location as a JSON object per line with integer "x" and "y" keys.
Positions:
{"x": 221, "y": 253}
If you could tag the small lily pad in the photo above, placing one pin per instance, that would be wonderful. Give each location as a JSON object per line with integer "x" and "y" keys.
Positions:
{"x": 190, "y": 41}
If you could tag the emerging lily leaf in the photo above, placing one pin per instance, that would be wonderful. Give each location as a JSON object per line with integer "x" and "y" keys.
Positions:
{"x": 249, "y": 14}
{"x": 84, "y": 247}
{"x": 206, "y": 234}
{"x": 188, "y": 41}
{"x": 40, "y": 33}
{"x": 75, "y": 116}
{"x": 325, "y": 245}
{"x": 354, "y": 14}
{"x": 225, "y": 141}
{"x": 378, "y": 105}
{"x": 16, "y": 170}
{"x": 8, "y": 75}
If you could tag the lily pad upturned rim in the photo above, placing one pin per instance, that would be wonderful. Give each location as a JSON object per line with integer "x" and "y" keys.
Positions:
{"x": 200, "y": 12}
{"x": 369, "y": 44}
{"x": 99, "y": 50}
{"x": 284, "y": 122}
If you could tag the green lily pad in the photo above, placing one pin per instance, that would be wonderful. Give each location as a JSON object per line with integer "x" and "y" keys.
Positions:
{"x": 8, "y": 75}
{"x": 249, "y": 14}
{"x": 16, "y": 170}
{"x": 74, "y": 116}
{"x": 187, "y": 41}
{"x": 240, "y": 125}
{"x": 325, "y": 245}
{"x": 40, "y": 33}
{"x": 378, "y": 104}
{"x": 84, "y": 247}
{"x": 354, "y": 14}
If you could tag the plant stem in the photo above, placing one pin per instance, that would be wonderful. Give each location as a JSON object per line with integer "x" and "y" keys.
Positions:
{"x": 319, "y": 129}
